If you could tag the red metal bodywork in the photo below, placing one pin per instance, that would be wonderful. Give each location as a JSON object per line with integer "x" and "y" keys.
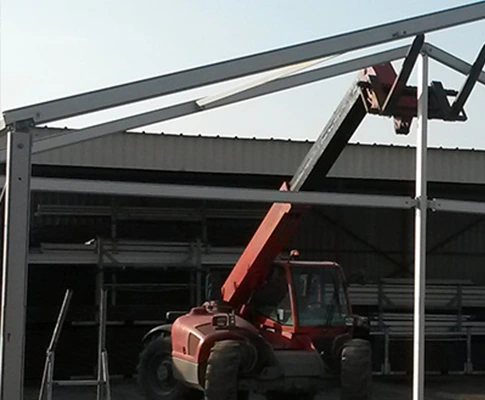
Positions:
{"x": 193, "y": 334}
{"x": 265, "y": 245}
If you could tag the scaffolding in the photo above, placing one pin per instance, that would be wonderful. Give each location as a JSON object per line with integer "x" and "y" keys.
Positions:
{"x": 102, "y": 383}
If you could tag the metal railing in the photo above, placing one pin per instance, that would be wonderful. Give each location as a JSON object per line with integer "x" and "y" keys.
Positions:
{"x": 444, "y": 320}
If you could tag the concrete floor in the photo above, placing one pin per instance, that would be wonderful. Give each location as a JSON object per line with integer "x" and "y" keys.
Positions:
{"x": 437, "y": 388}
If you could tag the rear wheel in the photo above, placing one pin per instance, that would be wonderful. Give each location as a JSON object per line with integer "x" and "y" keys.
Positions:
{"x": 356, "y": 370}
{"x": 155, "y": 375}
{"x": 222, "y": 372}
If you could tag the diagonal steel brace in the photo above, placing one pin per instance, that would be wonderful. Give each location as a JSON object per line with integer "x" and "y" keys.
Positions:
{"x": 468, "y": 86}
{"x": 402, "y": 79}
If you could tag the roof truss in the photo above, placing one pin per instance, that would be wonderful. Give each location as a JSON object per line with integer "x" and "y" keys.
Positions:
{"x": 192, "y": 78}
{"x": 244, "y": 93}
{"x": 19, "y": 144}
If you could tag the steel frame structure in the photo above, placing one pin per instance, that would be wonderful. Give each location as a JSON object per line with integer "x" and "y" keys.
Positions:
{"x": 19, "y": 151}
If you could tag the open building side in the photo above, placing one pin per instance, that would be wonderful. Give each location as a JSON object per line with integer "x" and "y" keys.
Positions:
{"x": 156, "y": 253}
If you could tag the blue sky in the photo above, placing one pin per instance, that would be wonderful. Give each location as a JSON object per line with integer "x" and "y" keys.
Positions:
{"x": 55, "y": 48}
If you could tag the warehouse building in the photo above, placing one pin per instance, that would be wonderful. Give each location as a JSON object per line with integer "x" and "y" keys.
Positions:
{"x": 154, "y": 255}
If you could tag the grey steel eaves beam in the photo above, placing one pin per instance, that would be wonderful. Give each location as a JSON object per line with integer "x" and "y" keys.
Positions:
{"x": 244, "y": 194}
{"x": 191, "y": 107}
{"x": 459, "y": 206}
{"x": 216, "y": 193}
{"x": 451, "y": 61}
{"x": 171, "y": 83}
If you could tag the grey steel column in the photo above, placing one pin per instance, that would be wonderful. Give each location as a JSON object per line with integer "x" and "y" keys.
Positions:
{"x": 420, "y": 230}
{"x": 14, "y": 273}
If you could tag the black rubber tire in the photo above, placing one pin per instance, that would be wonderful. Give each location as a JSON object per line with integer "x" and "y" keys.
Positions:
{"x": 156, "y": 360}
{"x": 356, "y": 370}
{"x": 222, "y": 372}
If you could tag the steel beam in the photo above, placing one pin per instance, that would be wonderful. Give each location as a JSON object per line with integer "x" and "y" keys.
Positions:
{"x": 292, "y": 69}
{"x": 315, "y": 75}
{"x": 459, "y": 206}
{"x": 216, "y": 193}
{"x": 451, "y": 61}
{"x": 401, "y": 80}
{"x": 192, "y": 78}
{"x": 469, "y": 84}
{"x": 242, "y": 194}
{"x": 420, "y": 231}
{"x": 191, "y": 107}
{"x": 119, "y": 125}
{"x": 14, "y": 274}
{"x": 332, "y": 140}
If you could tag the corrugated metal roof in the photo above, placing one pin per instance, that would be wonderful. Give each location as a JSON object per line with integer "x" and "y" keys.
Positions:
{"x": 171, "y": 152}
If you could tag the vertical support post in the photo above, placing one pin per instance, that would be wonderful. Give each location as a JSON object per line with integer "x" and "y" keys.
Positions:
{"x": 101, "y": 303}
{"x": 15, "y": 264}
{"x": 459, "y": 306}
{"x": 50, "y": 375}
{"x": 381, "y": 304}
{"x": 420, "y": 231}
{"x": 99, "y": 283}
{"x": 192, "y": 270}
{"x": 469, "y": 361}
{"x": 107, "y": 385}
{"x": 102, "y": 361}
{"x": 387, "y": 364}
{"x": 198, "y": 276}
{"x": 192, "y": 287}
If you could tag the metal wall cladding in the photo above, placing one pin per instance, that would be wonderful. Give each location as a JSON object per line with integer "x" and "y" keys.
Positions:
{"x": 181, "y": 153}
{"x": 169, "y": 152}
{"x": 374, "y": 243}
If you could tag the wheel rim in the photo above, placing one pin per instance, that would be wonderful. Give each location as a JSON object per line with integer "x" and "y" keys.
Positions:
{"x": 162, "y": 378}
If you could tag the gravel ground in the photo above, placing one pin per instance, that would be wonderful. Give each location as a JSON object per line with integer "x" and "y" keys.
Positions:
{"x": 437, "y": 388}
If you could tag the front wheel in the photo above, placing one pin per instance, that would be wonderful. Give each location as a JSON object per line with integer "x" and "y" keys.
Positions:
{"x": 356, "y": 370}
{"x": 155, "y": 374}
{"x": 221, "y": 378}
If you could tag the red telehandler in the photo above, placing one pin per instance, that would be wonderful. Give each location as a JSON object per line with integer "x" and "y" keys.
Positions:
{"x": 278, "y": 329}
{"x": 281, "y": 326}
